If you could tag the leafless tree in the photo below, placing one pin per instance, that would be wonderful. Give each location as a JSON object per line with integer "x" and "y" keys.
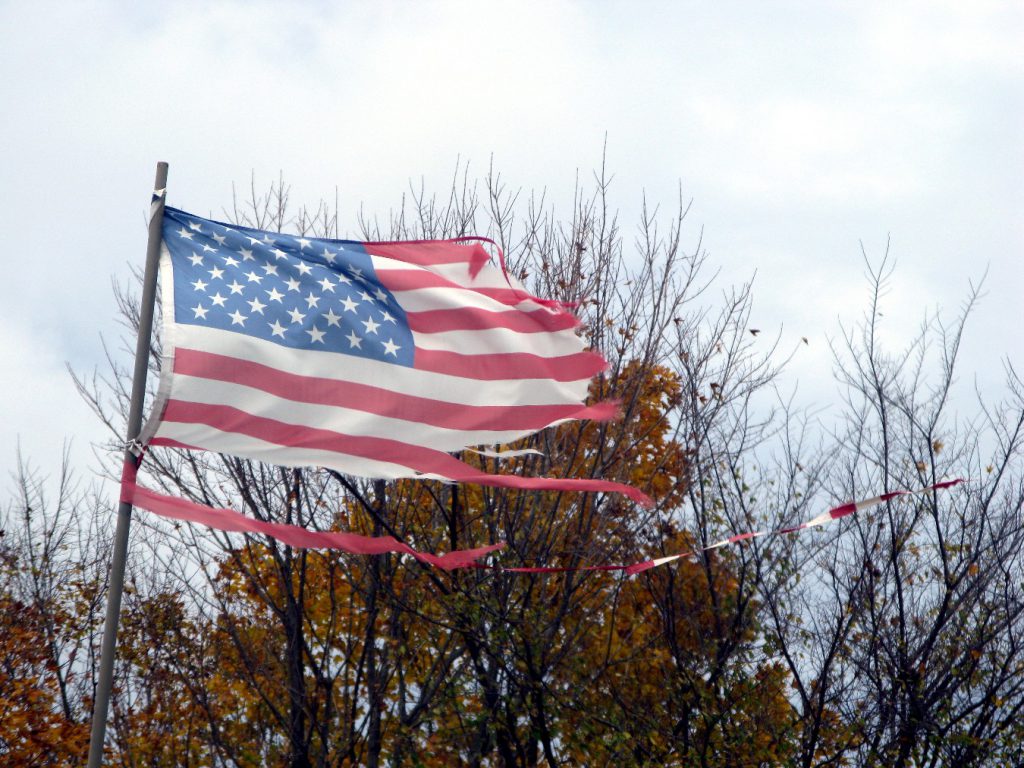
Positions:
{"x": 902, "y": 628}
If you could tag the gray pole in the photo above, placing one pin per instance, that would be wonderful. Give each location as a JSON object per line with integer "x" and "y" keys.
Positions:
{"x": 124, "y": 510}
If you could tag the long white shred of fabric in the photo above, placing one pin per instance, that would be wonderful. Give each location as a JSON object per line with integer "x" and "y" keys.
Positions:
{"x": 819, "y": 520}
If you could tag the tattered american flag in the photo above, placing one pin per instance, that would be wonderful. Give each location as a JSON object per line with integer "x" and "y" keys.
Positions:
{"x": 374, "y": 359}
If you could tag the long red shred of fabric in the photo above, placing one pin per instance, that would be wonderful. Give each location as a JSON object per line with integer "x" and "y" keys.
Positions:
{"x": 635, "y": 568}
{"x": 357, "y": 544}
{"x": 294, "y": 535}
{"x": 834, "y": 514}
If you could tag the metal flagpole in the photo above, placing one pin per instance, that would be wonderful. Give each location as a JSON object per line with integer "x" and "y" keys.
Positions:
{"x": 124, "y": 510}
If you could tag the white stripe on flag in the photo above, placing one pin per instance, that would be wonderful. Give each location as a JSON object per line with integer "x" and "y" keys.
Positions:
{"x": 401, "y": 380}
{"x": 202, "y": 436}
{"x": 351, "y": 420}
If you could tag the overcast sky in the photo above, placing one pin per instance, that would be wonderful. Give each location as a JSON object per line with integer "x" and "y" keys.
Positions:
{"x": 798, "y": 129}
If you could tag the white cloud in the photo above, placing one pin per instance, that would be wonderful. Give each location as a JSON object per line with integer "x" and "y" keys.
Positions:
{"x": 811, "y": 149}
{"x": 39, "y": 407}
{"x": 926, "y": 40}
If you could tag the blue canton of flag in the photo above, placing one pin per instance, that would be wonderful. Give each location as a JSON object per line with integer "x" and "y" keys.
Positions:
{"x": 299, "y": 292}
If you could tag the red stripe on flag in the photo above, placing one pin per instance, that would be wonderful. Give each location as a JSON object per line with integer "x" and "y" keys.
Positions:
{"x": 428, "y": 253}
{"x": 419, "y": 459}
{"x": 398, "y": 280}
{"x": 510, "y": 365}
{"x": 379, "y": 401}
{"x": 843, "y": 511}
{"x": 743, "y": 536}
{"x": 475, "y": 319}
{"x": 646, "y": 565}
